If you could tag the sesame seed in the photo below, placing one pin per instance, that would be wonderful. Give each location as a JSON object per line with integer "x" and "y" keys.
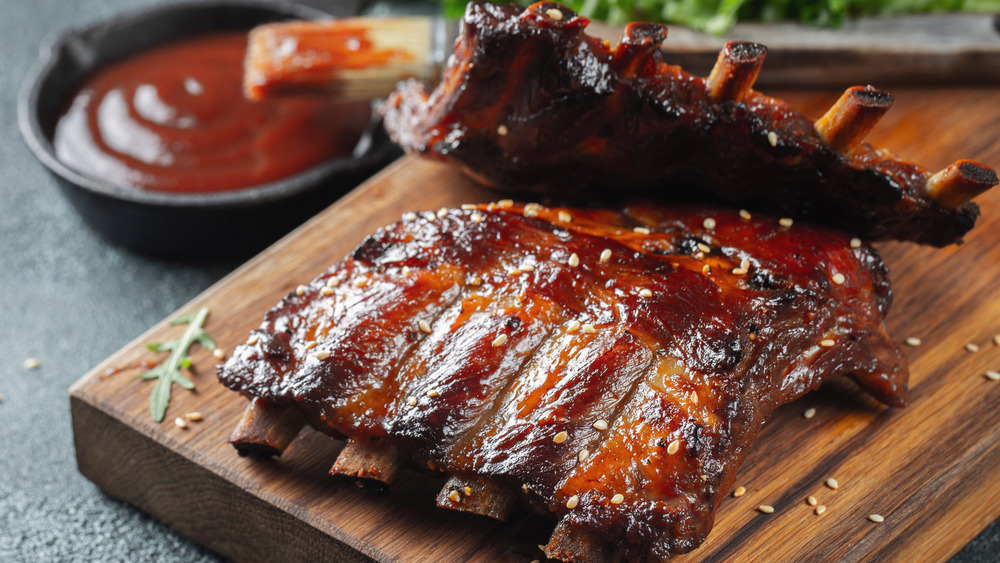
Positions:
{"x": 328, "y": 291}
{"x": 772, "y": 138}
{"x": 708, "y": 223}
{"x": 412, "y": 401}
{"x": 561, "y": 437}
{"x": 467, "y": 490}
{"x": 500, "y": 341}
{"x": 832, "y": 483}
{"x": 432, "y": 393}
{"x": 574, "y": 260}
{"x": 527, "y": 268}
{"x": 532, "y": 209}
{"x": 430, "y": 216}
{"x": 740, "y": 491}
{"x": 321, "y": 355}
{"x": 253, "y": 339}
{"x": 31, "y": 363}
{"x": 996, "y": 339}
{"x": 704, "y": 247}
{"x": 706, "y": 269}
{"x": 827, "y": 342}
{"x": 219, "y": 353}
{"x": 476, "y": 280}
{"x": 453, "y": 496}
{"x": 565, "y": 217}
{"x": 855, "y": 243}
{"x": 641, "y": 230}
{"x": 360, "y": 282}
{"x": 409, "y": 216}
{"x": 573, "y": 501}
{"x": 476, "y": 218}
{"x": 992, "y": 375}
{"x": 820, "y": 509}
{"x": 333, "y": 282}
{"x": 913, "y": 341}
{"x": 180, "y": 423}
{"x": 766, "y": 508}
{"x": 194, "y": 416}
{"x": 745, "y": 215}
{"x": 442, "y": 212}
{"x": 694, "y": 397}
{"x": 601, "y": 425}
{"x": 505, "y": 203}
{"x": 606, "y": 255}
{"x": 514, "y": 272}
{"x": 310, "y": 345}
{"x": 838, "y": 278}
{"x": 424, "y": 326}
{"x": 502, "y": 130}
{"x": 673, "y": 447}
{"x": 300, "y": 290}
{"x": 811, "y": 500}
{"x": 588, "y": 328}
{"x": 785, "y": 222}
{"x": 810, "y": 412}
{"x": 573, "y": 326}
{"x": 618, "y": 498}
{"x": 584, "y": 454}
{"x": 468, "y": 206}
{"x": 645, "y": 292}
{"x": 556, "y": 15}
{"x": 970, "y": 347}
{"x": 877, "y": 518}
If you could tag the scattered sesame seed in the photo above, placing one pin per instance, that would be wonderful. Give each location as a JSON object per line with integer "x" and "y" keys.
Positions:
{"x": 430, "y": 216}
{"x": 573, "y": 326}
{"x": 514, "y": 272}
{"x": 565, "y": 217}
{"x": 31, "y": 363}
{"x": 766, "y": 508}
{"x": 785, "y": 222}
{"x": 832, "y": 483}
{"x": 310, "y": 345}
{"x": 996, "y": 339}
{"x": 588, "y": 328}
{"x": 970, "y": 347}
{"x": 532, "y": 209}
{"x": 476, "y": 280}
{"x": 740, "y": 491}
{"x": 333, "y": 281}
{"x": 556, "y": 15}
{"x": 300, "y": 290}
{"x": 745, "y": 215}
{"x": 827, "y": 342}
{"x": 528, "y": 268}
{"x": 409, "y": 216}
{"x": 645, "y": 292}
{"x": 468, "y": 206}
{"x": 561, "y": 437}
{"x": 505, "y": 203}
{"x": 838, "y": 278}
{"x": 810, "y": 412}
{"x": 454, "y": 497}
{"x": 694, "y": 397}
{"x": 219, "y": 353}
{"x": 500, "y": 341}
{"x": 601, "y": 425}
{"x": 253, "y": 339}
{"x": 321, "y": 355}
{"x": 913, "y": 341}
{"x": 704, "y": 247}
{"x": 424, "y": 326}
{"x": 855, "y": 243}
{"x": 673, "y": 447}
{"x": 811, "y": 500}
{"x": 584, "y": 454}
{"x": 706, "y": 269}
{"x": 328, "y": 291}
{"x": 180, "y": 423}
{"x": 432, "y": 393}
{"x": 877, "y": 518}
{"x": 820, "y": 509}
{"x": 618, "y": 498}
{"x": 502, "y": 130}
{"x": 708, "y": 223}
{"x": 992, "y": 375}
{"x": 574, "y": 260}
{"x": 476, "y": 218}
{"x": 194, "y": 416}
{"x": 442, "y": 213}
{"x": 412, "y": 401}
{"x": 606, "y": 255}
{"x": 772, "y": 138}
{"x": 641, "y": 230}
{"x": 467, "y": 490}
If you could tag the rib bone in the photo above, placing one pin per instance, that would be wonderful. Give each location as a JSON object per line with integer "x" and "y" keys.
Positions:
{"x": 960, "y": 182}
{"x": 372, "y": 465}
{"x": 569, "y": 543}
{"x": 854, "y": 115}
{"x": 265, "y": 430}
{"x": 478, "y": 496}
{"x": 735, "y": 70}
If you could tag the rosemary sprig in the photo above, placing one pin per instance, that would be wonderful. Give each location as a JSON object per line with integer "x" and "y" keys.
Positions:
{"x": 168, "y": 372}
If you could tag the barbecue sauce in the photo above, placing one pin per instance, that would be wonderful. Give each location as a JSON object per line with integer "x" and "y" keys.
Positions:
{"x": 175, "y": 119}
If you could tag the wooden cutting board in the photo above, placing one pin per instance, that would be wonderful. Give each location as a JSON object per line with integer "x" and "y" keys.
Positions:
{"x": 928, "y": 468}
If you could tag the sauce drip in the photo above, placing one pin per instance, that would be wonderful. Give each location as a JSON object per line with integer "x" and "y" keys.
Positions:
{"x": 174, "y": 119}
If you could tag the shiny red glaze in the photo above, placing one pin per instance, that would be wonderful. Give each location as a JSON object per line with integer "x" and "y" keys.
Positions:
{"x": 745, "y": 343}
{"x": 174, "y": 119}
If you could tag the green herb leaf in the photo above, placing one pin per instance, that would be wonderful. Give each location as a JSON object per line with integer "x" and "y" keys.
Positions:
{"x": 168, "y": 373}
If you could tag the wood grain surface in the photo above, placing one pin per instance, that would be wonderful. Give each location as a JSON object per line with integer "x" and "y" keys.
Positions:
{"x": 928, "y": 468}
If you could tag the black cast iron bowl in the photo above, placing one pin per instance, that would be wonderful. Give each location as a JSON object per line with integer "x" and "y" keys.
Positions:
{"x": 226, "y": 225}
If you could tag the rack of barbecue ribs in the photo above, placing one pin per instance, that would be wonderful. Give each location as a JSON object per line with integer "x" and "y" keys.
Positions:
{"x": 530, "y": 102}
{"x": 608, "y": 367}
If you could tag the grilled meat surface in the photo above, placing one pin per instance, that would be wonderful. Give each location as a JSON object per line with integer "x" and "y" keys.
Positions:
{"x": 500, "y": 341}
{"x": 529, "y": 101}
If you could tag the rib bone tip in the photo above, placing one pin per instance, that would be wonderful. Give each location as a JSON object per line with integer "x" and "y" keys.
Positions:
{"x": 852, "y": 117}
{"x": 960, "y": 182}
{"x": 735, "y": 70}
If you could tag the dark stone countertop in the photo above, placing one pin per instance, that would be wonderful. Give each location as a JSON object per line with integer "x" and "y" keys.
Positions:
{"x": 70, "y": 300}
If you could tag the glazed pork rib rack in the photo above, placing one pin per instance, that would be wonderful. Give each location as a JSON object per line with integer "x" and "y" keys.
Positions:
{"x": 609, "y": 367}
{"x": 530, "y": 102}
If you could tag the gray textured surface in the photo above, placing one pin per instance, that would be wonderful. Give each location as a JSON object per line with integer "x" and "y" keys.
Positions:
{"x": 70, "y": 300}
